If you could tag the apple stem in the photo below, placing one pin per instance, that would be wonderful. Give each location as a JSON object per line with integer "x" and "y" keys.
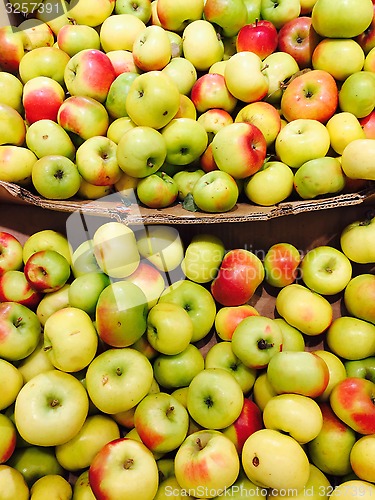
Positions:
{"x": 170, "y": 410}
{"x": 265, "y": 67}
{"x": 47, "y": 348}
{"x": 263, "y": 344}
{"x": 54, "y": 403}
{"x": 128, "y": 463}
{"x": 18, "y": 322}
{"x": 199, "y": 444}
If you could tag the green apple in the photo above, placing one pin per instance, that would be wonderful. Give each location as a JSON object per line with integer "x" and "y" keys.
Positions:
{"x": 201, "y": 45}
{"x": 82, "y": 489}
{"x": 83, "y": 260}
{"x": 216, "y": 192}
{"x": 240, "y": 64}
{"x": 141, "y": 151}
{"x": 354, "y": 18}
{"x": 295, "y": 303}
{"x": 186, "y": 139}
{"x": 51, "y": 408}
{"x": 274, "y": 460}
{"x": 178, "y": 370}
{"x": 157, "y": 190}
{"x": 328, "y": 51}
{"x": 16, "y": 164}
{"x": 182, "y": 72}
{"x": 337, "y": 372}
{"x": 229, "y": 17}
{"x": 121, "y": 368}
{"x": 55, "y": 177}
{"x": 11, "y": 89}
{"x": 351, "y": 338}
{"x": 168, "y": 485}
{"x": 354, "y": 240}
{"x": 84, "y": 291}
{"x": 152, "y": 91}
{"x": 49, "y": 485}
{"x": 47, "y": 239}
{"x": 215, "y": 398}
{"x": 295, "y": 415}
{"x": 73, "y": 38}
{"x": 163, "y": 321}
{"x": 46, "y": 137}
{"x": 35, "y": 363}
{"x": 272, "y": 184}
{"x": 203, "y": 256}
{"x": 319, "y": 176}
{"x": 355, "y": 159}
{"x": 12, "y": 484}
{"x": 186, "y": 180}
{"x": 206, "y": 463}
{"x": 116, "y": 97}
{"x": 12, "y": 126}
{"x": 44, "y": 61}
{"x": 256, "y": 340}
{"x": 293, "y": 340}
{"x": 78, "y": 453}
{"x": 279, "y": 67}
{"x": 14, "y": 378}
{"x": 359, "y": 297}
{"x": 70, "y": 339}
{"x": 197, "y": 301}
{"x": 364, "y": 368}
{"x": 357, "y": 93}
{"x": 280, "y": 13}
{"x": 312, "y": 370}
{"x": 221, "y": 355}
{"x": 263, "y": 390}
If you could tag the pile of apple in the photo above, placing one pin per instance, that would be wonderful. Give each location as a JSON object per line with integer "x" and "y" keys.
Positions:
{"x": 205, "y": 102}
{"x": 135, "y": 366}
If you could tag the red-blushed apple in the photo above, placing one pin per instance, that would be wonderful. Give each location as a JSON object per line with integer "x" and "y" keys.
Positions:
{"x": 47, "y": 271}
{"x": 239, "y": 149}
{"x": 227, "y": 318}
{"x": 124, "y": 468}
{"x": 213, "y": 120}
{"x": 42, "y": 98}
{"x": 352, "y": 400}
{"x": 312, "y": 370}
{"x": 230, "y": 18}
{"x": 8, "y": 438}
{"x": 313, "y": 95}
{"x": 368, "y": 125}
{"x": 10, "y": 252}
{"x": 249, "y": 421}
{"x": 210, "y": 91}
{"x": 366, "y": 39}
{"x": 281, "y": 264}
{"x": 14, "y": 287}
{"x": 240, "y": 274}
{"x": 206, "y": 463}
{"x": 72, "y": 38}
{"x": 122, "y": 62}
{"x": 13, "y": 48}
{"x": 264, "y": 116}
{"x": 359, "y": 297}
{"x": 259, "y": 37}
{"x": 330, "y": 449}
{"x": 299, "y": 39}
{"x": 206, "y": 161}
{"x": 157, "y": 190}
{"x": 149, "y": 280}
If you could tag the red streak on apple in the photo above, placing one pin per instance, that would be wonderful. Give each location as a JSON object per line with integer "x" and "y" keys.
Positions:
{"x": 249, "y": 421}
{"x": 149, "y": 436}
{"x": 331, "y": 421}
{"x": 9, "y": 451}
{"x": 198, "y": 472}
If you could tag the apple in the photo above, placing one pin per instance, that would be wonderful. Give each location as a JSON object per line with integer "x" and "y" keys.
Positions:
{"x": 367, "y": 123}
{"x": 12, "y": 126}
{"x": 295, "y": 415}
{"x": 121, "y": 313}
{"x": 228, "y": 317}
{"x": 150, "y": 280}
{"x": 354, "y": 238}
{"x": 264, "y": 116}
{"x": 359, "y": 297}
{"x": 197, "y": 34}
{"x": 90, "y": 13}
{"x": 116, "y": 97}
{"x": 343, "y": 128}
{"x": 317, "y": 486}
{"x": 15, "y": 381}
{"x": 301, "y": 140}
{"x": 293, "y": 339}
{"x": 55, "y": 177}
{"x": 152, "y": 49}
{"x": 328, "y": 50}
{"x": 11, "y": 90}
{"x": 229, "y": 18}
{"x": 116, "y": 130}
{"x": 274, "y": 460}
{"x": 221, "y": 355}
{"x": 319, "y": 176}
{"x": 213, "y": 120}
{"x": 281, "y": 263}
{"x": 351, "y": 21}
{"x": 186, "y": 180}
{"x": 119, "y": 31}
{"x": 215, "y": 398}
{"x": 182, "y": 72}
{"x": 51, "y": 484}
{"x": 279, "y": 67}
{"x": 186, "y": 139}
{"x": 357, "y": 93}
{"x": 140, "y": 8}
{"x": 178, "y": 370}
{"x": 351, "y": 400}
{"x": 13, "y": 42}
{"x": 47, "y": 271}
{"x": 313, "y": 373}
{"x": 12, "y": 484}
{"x": 163, "y": 320}
{"x": 157, "y": 190}
{"x": 83, "y": 117}
{"x": 155, "y": 91}
{"x": 206, "y": 463}
{"x": 53, "y": 13}
{"x": 263, "y": 390}
{"x": 72, "y": 38}
{"x": 14, "y": 287}
{"x": 51, "y": 302}
{"x": 60, "y": 398}
{"x": 124, "y": 467}
{"x": 10, "y": 252}
{"x": 197, "y": 301}
{"x": 360, "y": 149}
{"x": 174, "y": 16}
{"x": 121, "y": 367}
{"x": 215, "y": 191}
{"x": 363, "y": 447}
{"x": 162, "y": 422}
{"x": 46, "y": 137}
{"x": 330, "y": 449}
{"x": 270, "y": 185}
{"x": 298, "y": 38}
{"x": 42, "y": 98}
{"x": 239, "y": 65}
{"x": 311, "y": 95}
{"x": 240, "y": 273}
{"x": 16, "y": 164}
{"x": 35, "y": 363}
{"x": 363, "y": 368}
{"x": 8, "y": 438}
{"x": 46, "y": 239}
{"x": 88, "y": 191}
{"x": 44, "y": 61}
{"x": 203, "y": 256}
{"x": 344, "y": 330}
{"x": 348, "y": 488}
{"x": 260, "y": 37}
{"x": 281, "y": 13}
{"x": 210, "y": 92}
{"x": 81, "y": 488}
{"x": 337, "y": 372}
